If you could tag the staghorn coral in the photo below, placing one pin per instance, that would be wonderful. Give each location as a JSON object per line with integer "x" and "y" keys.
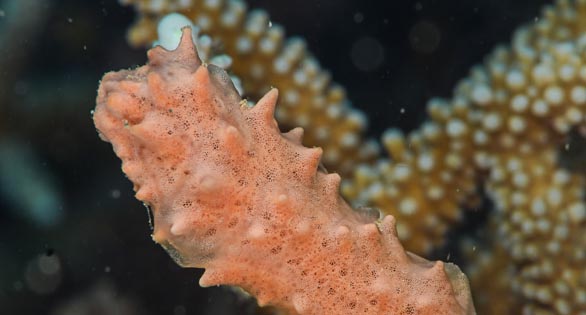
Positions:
{"x": 232, "y": 194}
{"x": 266, "y": 59}
{"x": 491, "y": 269}
{"x": 430, "y": 176}
{"x": 505, "y": 127}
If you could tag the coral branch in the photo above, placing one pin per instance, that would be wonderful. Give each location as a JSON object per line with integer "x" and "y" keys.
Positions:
{"x": 508, "y": 127}
{"x": 230, "y": 193}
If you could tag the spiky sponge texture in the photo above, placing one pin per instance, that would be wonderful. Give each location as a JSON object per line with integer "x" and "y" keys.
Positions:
{"x": 232, "y": 194}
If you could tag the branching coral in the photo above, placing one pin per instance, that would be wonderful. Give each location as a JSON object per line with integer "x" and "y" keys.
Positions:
{"x": 232, "y": 194}
{"x": 505, "y": 127}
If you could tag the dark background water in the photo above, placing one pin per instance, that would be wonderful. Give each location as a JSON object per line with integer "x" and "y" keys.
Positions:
{"x": 72, "y": 238}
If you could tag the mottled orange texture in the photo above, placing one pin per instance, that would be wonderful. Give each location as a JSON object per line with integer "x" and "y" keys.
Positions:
{"x": 232, "y": 194}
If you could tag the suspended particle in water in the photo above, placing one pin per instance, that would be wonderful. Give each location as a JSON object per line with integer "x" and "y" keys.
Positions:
{"x": 367, "y": 54}
{"x": 358, "y": 17}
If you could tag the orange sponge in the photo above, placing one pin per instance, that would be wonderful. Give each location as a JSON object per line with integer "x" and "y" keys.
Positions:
{"x": 232, "y": 194}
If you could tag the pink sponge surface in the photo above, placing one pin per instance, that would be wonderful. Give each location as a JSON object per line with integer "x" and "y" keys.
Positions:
{"x": 232, "y": 194}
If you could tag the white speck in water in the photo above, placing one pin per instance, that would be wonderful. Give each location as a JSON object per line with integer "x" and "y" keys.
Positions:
{"x": 402, "y": 110}
{"x": 43, "y": 274}
{"x": 49, "y": 265}
{"x": 115, "y": 193}
{"x": 367, "y": 54}
{"x": 270, "y": 23}
{"x": 107, "y": 269}
{"x": 70, "y": 20}
{"x": 358, "y": 17}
